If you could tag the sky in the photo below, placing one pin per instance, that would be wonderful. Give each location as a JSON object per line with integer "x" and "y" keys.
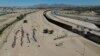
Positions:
{"x": 34, "y": 2}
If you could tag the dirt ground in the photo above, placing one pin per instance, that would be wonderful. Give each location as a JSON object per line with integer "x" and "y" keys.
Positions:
{"x": 35, "y": 36}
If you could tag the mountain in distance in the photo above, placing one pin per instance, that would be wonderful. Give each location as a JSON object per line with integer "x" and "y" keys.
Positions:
{"x": 51, "y": 6}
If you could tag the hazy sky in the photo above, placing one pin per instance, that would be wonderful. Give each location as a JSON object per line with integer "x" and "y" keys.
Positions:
{"x": 33, "y": 2}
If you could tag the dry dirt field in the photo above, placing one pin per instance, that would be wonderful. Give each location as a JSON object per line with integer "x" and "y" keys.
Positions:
{"x": 35, "y": 36}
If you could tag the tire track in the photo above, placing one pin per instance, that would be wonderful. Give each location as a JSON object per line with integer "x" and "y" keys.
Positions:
{"x": 34, "y": 35}
{"x": 14, "y": 42}
{"x": 28, "y": 37}
{"x": 22, "y": 36}
{"x": 17, "y": 32}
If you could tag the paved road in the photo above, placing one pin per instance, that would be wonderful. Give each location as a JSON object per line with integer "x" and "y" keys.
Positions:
{"x": 28, "y": 39}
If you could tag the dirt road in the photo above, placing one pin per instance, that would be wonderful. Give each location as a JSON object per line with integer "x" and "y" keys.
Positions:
{"x": 35, "y": 36}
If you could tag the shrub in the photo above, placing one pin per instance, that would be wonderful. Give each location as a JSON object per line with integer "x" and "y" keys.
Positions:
{"x": 51, "y": 31}
{"x": 45, "y": 31}
{"x": 25, "y": 21}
